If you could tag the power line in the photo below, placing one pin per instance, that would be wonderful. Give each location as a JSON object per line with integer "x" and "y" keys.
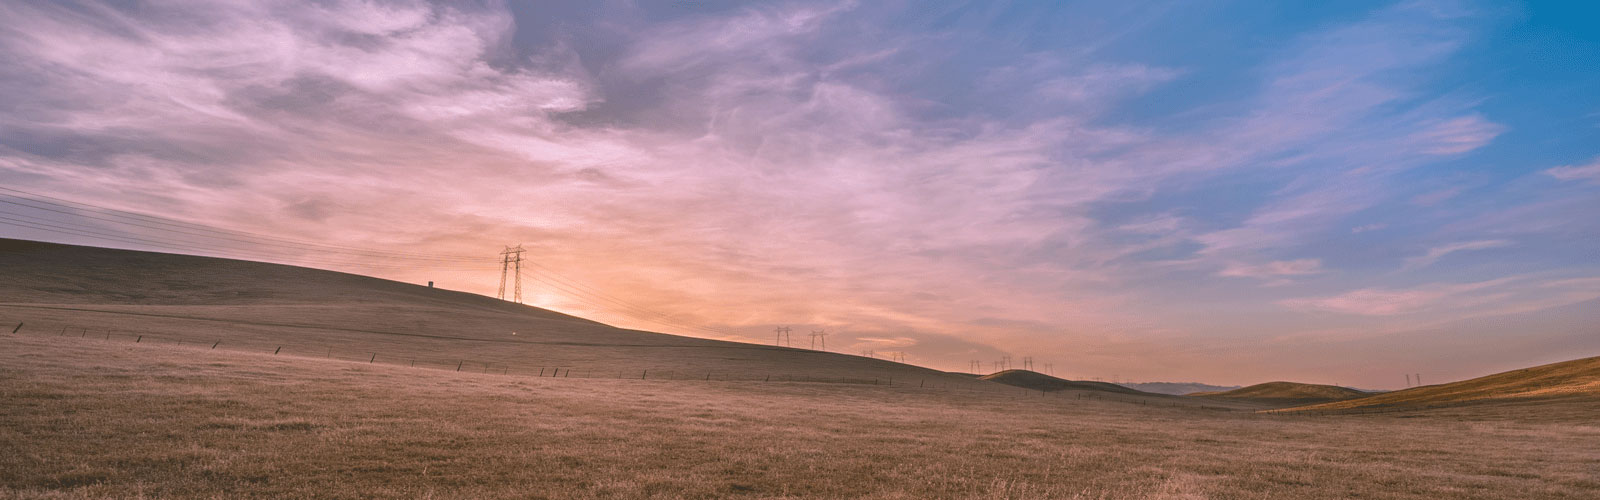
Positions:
{"x": 226, "y": 242}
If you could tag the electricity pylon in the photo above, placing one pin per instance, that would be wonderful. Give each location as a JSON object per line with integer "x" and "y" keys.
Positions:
{"x": 511, "y": 264}
{"x": 819, "y": 335}
{"x": 1027, "y": 363}
{"x": 783, "y": 336}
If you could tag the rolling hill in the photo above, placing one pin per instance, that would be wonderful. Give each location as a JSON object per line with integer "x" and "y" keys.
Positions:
{"x": 156, "y": 297}
{"x": 1040, "y": 382}
{"x": 1287, "y": 393}
{"x": 1576, "y": 380}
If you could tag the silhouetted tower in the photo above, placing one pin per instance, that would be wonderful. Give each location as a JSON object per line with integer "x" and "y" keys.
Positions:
{"x": 1050, "y": 369}
{"x": 783, "y": 336}
{"x": 511, "y": 265}
{"x": 1005, "y": 362}
{"x": 1408, "y": 380}
{"x": 1419, "y": 380}
{"x": 819, "y": 337}
{"x": 975, "y": 365}
{"x": 1027, "y": 363}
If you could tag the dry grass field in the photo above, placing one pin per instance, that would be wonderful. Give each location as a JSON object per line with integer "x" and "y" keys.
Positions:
{"x": 147, "y": 375}
{"x": 87, "y": 418}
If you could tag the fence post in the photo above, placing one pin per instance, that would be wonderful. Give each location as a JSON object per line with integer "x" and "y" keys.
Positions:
{"x": 214, "y": 346}
{"x": 643, "y": 375}
{"x": 280, "y": 349}
{"x": 14, "y": 330}
{"x": 458, "y": 365}
{"x": 141, "y": 337}
{"x": 374, "y": 358}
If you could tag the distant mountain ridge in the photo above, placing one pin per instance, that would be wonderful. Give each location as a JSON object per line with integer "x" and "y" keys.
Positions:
{"x": 1288, "y": 392}
{"x": 1177, "y": 388}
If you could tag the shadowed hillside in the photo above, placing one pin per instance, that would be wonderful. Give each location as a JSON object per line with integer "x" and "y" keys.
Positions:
{"x": 1040, "y": 382}
{"x": 1576, "y": 380}
{"x": 1287, "y": 393}
{"x": 252, "y": 306}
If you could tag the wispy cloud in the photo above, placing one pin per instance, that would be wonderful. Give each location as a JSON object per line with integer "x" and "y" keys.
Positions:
{"x": 1588, "y": 172}
{"x": 1276, "y": 271}
{"x": 1436, "y": 253}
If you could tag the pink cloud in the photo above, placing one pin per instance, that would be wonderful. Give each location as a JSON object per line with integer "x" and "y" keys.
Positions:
{"x": 1589, "y": 172}
{"x": 1275, "y": 270}
{"x": 1436, "y": 253}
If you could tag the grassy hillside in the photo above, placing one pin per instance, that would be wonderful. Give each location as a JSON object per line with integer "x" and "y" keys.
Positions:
{"x": 1040, "y": 382}
{"x": 90, "y": 418}
{"x": 1293, "y": 393}
{"x": 258, "y": 307}
{"x": 1576, "y": 380}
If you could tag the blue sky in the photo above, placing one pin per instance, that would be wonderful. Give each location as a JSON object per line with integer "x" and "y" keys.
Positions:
{"x": 1221, "y": 191}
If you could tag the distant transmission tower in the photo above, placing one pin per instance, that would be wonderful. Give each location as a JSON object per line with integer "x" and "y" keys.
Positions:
{"x": 511, "y": 265}
{"x": 819, "y": 336}
{"x": 975, "y": 365}
{"x": 1027, "y": 363}
{"x": 783, "y": 336}
{"x": 1005, "y": 362}
{"x": 1050, "y": 369}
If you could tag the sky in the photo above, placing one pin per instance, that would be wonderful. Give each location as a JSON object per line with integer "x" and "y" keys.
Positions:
{"x": 1225, "y": 192}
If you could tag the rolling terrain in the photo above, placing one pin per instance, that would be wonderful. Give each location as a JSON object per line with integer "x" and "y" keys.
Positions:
{"x": 1286, "y": 393}
{"x": 241, "y": 305}
{"x": 1033, "y": 380}
{"x": 135, "y": 374}
{"x": 1556, "y": 384}
{"x": 1176, "y": 388}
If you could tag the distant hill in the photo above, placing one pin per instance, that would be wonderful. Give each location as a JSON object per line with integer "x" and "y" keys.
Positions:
{"x": 1177, "y": 388}
{"x": 1290, "y": 393}
{"x": 1578, "y": 379}
{"x": 1041, "y": 382}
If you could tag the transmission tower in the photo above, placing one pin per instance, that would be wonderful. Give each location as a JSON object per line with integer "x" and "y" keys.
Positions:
{"x": 783, "y": 336}
{"x": 1005, "y": 362}
{"x": 1027, "y": 363}
{"x": 975, "y": 366}
{"x": 511, "y": 265}
{"x": 819, "y": 336}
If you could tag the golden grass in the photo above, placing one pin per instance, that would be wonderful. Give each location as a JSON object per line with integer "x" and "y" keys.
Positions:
{"x": 1287, "y": 393}
{"x": 86, "y": 418}
{"x": 1576, "y": 381}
